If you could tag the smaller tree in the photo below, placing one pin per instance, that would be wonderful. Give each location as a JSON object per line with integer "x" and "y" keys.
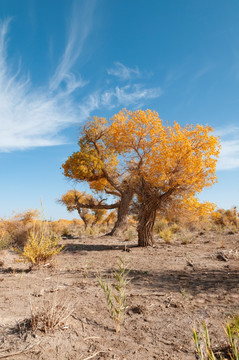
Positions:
{"x": 83, "y": 203}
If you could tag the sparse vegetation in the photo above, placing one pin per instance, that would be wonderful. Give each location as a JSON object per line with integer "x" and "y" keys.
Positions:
{"x": 116, "y": 293}
{"x": 206, "y": 351}
{"x": 167, "y": 234}
{"x": 14, "y": 231}
{"x": 47, "y": 313}
{"x": 42, "y": 244}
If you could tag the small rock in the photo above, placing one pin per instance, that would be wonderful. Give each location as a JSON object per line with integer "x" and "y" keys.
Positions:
{"x": 222, "y": 257}
{"x": 190, "y": 263}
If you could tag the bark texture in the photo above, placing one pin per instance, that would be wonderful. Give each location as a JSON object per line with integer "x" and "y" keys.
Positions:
{"x": 151, "y": 200}
{"x": 145, "y": 226}
{"x": 122, "y": 213}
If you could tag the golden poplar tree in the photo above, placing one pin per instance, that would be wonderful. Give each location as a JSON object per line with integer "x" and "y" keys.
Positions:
{"x": 136, "y": 156}
{"x": 167, "y": 163}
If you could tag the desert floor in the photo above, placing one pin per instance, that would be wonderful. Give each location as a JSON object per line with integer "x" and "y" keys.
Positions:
{"x": 173, "y": 288}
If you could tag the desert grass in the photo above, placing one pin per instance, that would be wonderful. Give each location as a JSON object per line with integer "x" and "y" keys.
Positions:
{"x": 116, "y": 293}
{"x": 205, "y": 350}
{"x": 49, "y": 311}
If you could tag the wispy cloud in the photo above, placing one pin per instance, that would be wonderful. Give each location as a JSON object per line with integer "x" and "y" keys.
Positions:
{"x": 89, "y": 104}
{"x": 135, "y": 95}
{"x": 128, "y": 95}
{"x": 229, "y": 155}
{"x": 123, "y": 72}
{"x": 33, "y": 117}
{"x": 81, "y": 24}
{"x": 29, "y": 117}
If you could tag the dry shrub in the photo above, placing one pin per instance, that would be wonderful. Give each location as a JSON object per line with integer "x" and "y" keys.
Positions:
{"x": 185, "y": 236}
{"x": 160, "y": 225}
{"x": 77, "y": 227}
{"x": 14, "y": 231}
{"x": 225, "y": 218}
{"x": 48, "y": 315}
{"x": 131, "y": 234}
{"x": 110, "y": 219}
{"x": 62, "y": 227}
{"x": 189, "y": 213}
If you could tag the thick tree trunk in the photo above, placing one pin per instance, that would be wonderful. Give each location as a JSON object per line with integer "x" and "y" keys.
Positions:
{"x": 122, "y": 214}
{"x": 145, "y": 226}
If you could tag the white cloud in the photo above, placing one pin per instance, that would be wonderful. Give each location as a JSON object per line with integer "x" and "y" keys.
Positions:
{"x": 128, "y": 95}
{"x": 229, "y": 154}
{"x": 89, "y": 104}
{"x": 135, "y": 95}
{"x": 29, "y": 117}
{"x": 123, "y": 72}
{"x": 81, "y": 24}
{"x": 33, "y": 117}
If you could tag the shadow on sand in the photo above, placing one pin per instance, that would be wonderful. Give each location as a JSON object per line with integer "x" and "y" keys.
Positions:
{"x": 195, "y": 282}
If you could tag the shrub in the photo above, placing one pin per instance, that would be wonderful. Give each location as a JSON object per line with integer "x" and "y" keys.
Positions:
{"x": 42, "y": 244}
{"x": 160, "y": 224}
{"x": 62, "y": 227}
{"x": 15, "y": 230}
{"x": 225, "y": 218}
{"x": 47, "y": 314}
{"x": 5, "y": 240}
{"x": 167, "y": 234}
{"x": 50, "y": 314}
{"x": 185, "y": 236}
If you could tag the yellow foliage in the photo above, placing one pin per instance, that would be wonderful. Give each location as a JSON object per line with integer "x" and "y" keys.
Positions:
{"x": 172, "y": 157}
{"x": 16, "y": 229}
{"x": 94, "y": 157}
{"x": 225, "y": 217}
{"x": 162, "y": 164}
{"x": 110, "y": 219}
{"x": 190, "y": 212}
{"x": 42, "y": 244}
{"x": 73, "y": 200}
{"x": 167, "y": 234}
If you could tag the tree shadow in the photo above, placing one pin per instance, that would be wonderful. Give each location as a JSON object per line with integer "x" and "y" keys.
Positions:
{"x": 196, "y": 282}
{"x": 11, "y": 270}
{"x": 96, "y": 247}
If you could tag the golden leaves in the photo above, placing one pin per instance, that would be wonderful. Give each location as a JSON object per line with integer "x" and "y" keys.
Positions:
{"x": 136, "y": 144}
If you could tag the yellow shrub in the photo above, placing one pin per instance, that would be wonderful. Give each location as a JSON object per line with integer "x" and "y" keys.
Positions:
{"x": 225, "y": 218}
{"x": 42, "y": 244}
{"x": 15, "y": 230}
{"x": 166, "y": 234}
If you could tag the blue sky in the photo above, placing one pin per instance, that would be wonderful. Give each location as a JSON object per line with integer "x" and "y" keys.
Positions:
{"x": 62, "y": 61}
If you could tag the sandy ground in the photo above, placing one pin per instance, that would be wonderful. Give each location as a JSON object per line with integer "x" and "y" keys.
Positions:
{"x": 172, "y": 289}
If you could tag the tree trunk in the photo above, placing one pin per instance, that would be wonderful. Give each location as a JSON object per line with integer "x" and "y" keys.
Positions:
{"x": 122, "y": 213}
{"x": 147, "y": 217}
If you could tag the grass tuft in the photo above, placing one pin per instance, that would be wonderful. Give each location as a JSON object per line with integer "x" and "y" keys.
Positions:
{"x": 116, "y": 293}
